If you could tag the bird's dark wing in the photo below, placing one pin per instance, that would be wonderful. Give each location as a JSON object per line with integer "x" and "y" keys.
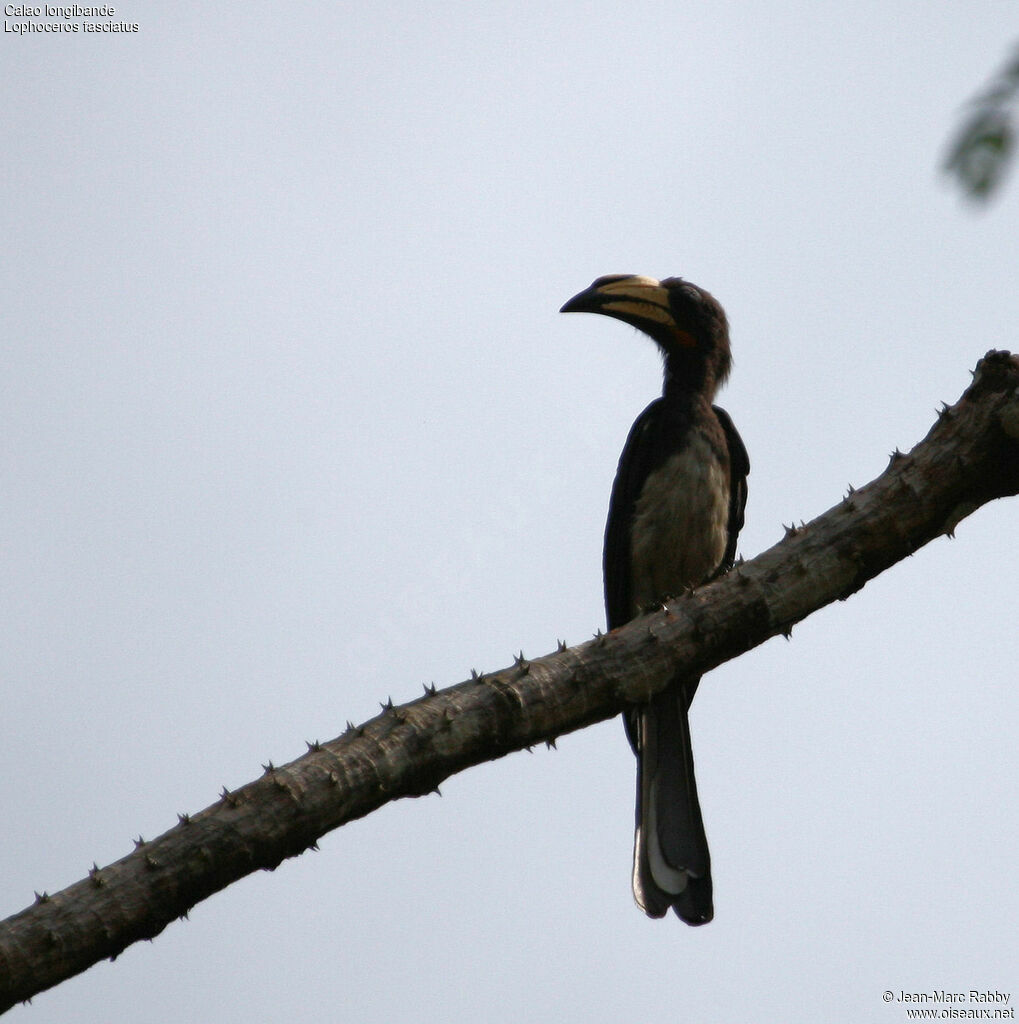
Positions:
{"x": 641, "y": 456}
{"x": 739, "y": 468}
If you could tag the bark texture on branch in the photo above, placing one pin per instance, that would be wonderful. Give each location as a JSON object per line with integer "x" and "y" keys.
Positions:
{"x": 969, "y": 457}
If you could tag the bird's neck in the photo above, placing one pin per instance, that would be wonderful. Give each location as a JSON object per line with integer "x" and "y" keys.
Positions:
{"x": 687, "y": 380}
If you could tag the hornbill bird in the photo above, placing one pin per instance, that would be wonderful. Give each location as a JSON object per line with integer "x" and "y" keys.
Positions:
{"x": 676, "y": 510}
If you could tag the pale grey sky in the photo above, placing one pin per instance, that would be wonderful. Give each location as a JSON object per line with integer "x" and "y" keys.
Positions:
{"x": 291, "y": 424}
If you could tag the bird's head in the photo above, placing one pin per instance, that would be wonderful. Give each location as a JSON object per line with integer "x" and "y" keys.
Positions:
{"x": 687, "y": 323}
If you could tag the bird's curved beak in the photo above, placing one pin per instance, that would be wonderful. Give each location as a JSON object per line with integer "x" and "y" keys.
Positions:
{"x": 640, "y": 301}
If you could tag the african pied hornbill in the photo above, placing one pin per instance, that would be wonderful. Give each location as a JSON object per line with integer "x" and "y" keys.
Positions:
{"x": 676, "y": 510}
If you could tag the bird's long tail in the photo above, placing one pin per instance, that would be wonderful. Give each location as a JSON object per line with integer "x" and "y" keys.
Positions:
{"x": 671, "y": 863}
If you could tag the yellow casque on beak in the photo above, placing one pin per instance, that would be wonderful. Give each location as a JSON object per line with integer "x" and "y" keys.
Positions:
{"x": 642, "y": 302}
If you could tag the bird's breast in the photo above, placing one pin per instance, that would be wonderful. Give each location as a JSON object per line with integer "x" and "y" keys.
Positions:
{"x": 680, "y": 524}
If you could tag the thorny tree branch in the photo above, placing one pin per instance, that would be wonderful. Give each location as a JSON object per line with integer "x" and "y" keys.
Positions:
{"x": 970, "y": 456}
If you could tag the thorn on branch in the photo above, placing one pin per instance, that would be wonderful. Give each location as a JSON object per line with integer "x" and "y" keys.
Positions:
{"x": 560, "y": 646}
{"x": 957, "y": 515}
{"x": 430, "y": 689}
{"x": 388, "y": 706}
{"x": 139, "y": 843}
